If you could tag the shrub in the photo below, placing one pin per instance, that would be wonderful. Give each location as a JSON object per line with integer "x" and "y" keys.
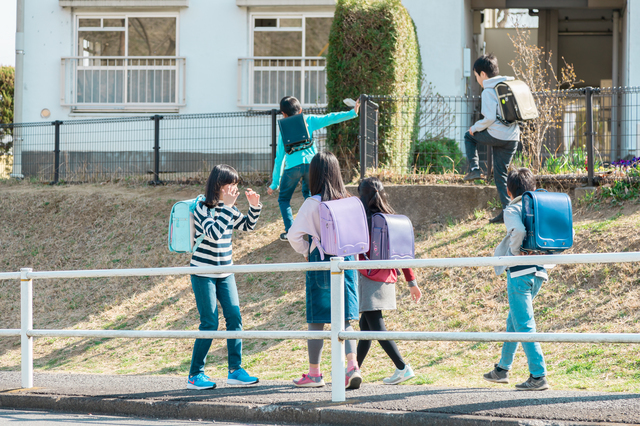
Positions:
{"x": 373, "y": 49}
{"x": 437, "y": 156}
{"x": 6, "y": 105}
{"x": 531, "y": 67}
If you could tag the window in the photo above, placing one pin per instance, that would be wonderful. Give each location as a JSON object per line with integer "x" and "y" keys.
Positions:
{"x": 125, "y": 60}
{"x": 131, "y": 36}
{"x": 289, "y": 58}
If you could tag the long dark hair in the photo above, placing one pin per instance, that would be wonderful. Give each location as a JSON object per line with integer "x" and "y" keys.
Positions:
{"x": 325, "y": 178}
{"x": 220, "y": 176}
{"x": 373, "y": 197}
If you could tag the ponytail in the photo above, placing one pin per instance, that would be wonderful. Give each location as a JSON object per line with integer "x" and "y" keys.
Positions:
{"x": 374, "y": 198}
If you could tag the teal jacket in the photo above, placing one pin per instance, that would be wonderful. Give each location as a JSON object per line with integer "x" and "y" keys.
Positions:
{"x": 286, "y": 161}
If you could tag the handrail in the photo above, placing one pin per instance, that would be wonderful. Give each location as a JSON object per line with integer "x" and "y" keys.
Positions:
{"x": 123, "y": 57}
{"x": 79, "y": 88}
{"x": 337, "y": 334}
{"x": 310, "y": 58}
{"x": 557, "y": 259}
{"x": 182, "y": 334}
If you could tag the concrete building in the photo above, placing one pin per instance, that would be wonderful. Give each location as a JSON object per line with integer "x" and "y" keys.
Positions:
{"x": 104, "y": 58}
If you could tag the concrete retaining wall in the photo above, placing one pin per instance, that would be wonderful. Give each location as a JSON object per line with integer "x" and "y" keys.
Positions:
{"x": 437, "y": 203}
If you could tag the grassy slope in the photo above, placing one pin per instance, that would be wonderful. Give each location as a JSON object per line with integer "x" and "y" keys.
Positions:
{"x": 107, "y": 226}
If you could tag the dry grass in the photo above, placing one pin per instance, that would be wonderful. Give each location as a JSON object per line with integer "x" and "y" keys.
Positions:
{"x": 122, "y": 226}
{"x": 6, "y": 165}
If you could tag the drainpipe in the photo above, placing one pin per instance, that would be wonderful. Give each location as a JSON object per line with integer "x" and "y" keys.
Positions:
{"x": 18, "y": 95}
{"x": 615, "y": 124}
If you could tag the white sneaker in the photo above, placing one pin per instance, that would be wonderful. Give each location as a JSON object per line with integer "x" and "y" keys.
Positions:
{"x": 400, "y": 376}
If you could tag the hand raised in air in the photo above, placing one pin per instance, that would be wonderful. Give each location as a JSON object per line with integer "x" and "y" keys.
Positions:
{"x": 253, "y": 197}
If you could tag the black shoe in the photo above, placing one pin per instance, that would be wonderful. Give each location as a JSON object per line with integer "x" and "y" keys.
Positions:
{"x": 498, "y": 219}
{"x": 283, "y": 237}
{"x": 473, "y": 175}
{"x": 533, "y": 384}
{"x": 497, "y": 376}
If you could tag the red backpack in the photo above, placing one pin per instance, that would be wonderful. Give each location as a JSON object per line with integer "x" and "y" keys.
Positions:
{"x": 379, "y": 275}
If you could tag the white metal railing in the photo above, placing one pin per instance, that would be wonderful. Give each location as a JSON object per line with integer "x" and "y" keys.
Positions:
{"x": 337, "y": 334}
{"x": 123, "y": 82}
{"x": 264, "y": 80}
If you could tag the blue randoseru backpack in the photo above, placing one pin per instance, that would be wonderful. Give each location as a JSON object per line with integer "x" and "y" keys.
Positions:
{"x": 182, "y": 227}
{"x": 548, "y": 219}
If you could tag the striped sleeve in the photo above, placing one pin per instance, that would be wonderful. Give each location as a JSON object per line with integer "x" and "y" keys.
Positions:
{"x": 212, "y": 228}
{"x": 248, "y": 222}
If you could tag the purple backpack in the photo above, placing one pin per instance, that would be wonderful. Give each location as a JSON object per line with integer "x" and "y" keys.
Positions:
{"x": 343, "y": 227}
{"x": 391, "y": 237}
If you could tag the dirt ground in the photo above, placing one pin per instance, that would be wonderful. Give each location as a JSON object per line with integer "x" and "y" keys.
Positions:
{"x": 125, "y": 226}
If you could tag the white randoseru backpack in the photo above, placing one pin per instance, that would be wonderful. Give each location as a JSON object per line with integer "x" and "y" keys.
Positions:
{"x": 182, "y": 230}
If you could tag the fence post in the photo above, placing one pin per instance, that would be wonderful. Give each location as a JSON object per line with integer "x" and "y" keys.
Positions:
{"x": 56, "y": 153}
{"x": 156, "y": 149}
{"x": 589, "y": 133}
{"x": 26, "y": 325}
{"x": 362, "y": 135}
{"x": 274, "y": 139}
{"x": 337, "y": 325}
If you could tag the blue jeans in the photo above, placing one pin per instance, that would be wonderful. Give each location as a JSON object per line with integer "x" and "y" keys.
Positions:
{"x": 288, "y": 184}
{"x": 503, "y": 152}
{"x": 207, "y": 290}
{"x": 521, "y": 291}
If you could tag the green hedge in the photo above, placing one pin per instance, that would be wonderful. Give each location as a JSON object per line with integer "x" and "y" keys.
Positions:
{"x": 7, "y": 79}
{"x": 373, "y": 49}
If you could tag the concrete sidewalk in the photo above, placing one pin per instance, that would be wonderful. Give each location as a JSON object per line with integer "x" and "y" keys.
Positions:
{"x": 279, "y": 402}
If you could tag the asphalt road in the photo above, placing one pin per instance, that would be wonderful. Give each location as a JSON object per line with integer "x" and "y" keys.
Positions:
{"x": 270, "y": 397}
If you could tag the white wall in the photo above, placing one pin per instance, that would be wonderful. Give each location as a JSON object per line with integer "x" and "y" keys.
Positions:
{"x": 48, "y": 37}
{"x": 632, "y": 51}
{"x": 212, "y": 36}
{"x": 443, "y": 29}
{"x": 499, "y": 43}
{"x": 8, "y": 33}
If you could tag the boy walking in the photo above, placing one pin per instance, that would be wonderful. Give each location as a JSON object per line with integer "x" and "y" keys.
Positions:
{"x": 523, "y": 284}
{"x": 296, "y": 164}
{"x": 491, "y": 131}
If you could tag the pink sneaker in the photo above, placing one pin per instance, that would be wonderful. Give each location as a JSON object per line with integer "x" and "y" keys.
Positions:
{"x": 307, "y": 381}
{"x": 353, "y": 379}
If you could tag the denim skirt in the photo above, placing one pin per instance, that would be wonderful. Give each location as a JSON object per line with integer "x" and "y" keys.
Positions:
{"x": 319, "y": 292}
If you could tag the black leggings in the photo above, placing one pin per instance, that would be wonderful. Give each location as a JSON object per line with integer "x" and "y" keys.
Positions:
{"x": 373, "y": 321}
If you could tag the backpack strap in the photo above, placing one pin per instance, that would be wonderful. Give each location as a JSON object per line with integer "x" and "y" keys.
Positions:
{"x": 318, "y": 198}
{"x": 199, "y": 198}
{"x": 197, "y": 244}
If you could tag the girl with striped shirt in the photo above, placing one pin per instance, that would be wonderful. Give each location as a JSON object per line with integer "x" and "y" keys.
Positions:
{"x": 216, "y": 217}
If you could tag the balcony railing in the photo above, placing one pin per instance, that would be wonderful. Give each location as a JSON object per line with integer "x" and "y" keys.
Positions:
{"x": 263, "y": 81}
{"x": 123, "y": 82}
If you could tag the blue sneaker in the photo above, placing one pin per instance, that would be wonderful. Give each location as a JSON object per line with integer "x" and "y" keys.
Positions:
{"x": 241, "y": 377}
{"x": 200, "y": 382}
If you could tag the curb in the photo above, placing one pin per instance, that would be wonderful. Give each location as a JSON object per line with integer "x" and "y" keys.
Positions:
{"x": 328, "y": 414}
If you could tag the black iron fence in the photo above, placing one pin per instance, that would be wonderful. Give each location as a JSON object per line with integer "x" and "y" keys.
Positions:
{"x": 594, "y": 127}
{"x": 422, "y": 134}
{"x": 162, "y": 148}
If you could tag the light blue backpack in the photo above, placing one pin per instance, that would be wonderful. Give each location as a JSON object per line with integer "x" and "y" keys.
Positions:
{"x": 182, "y": 230}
